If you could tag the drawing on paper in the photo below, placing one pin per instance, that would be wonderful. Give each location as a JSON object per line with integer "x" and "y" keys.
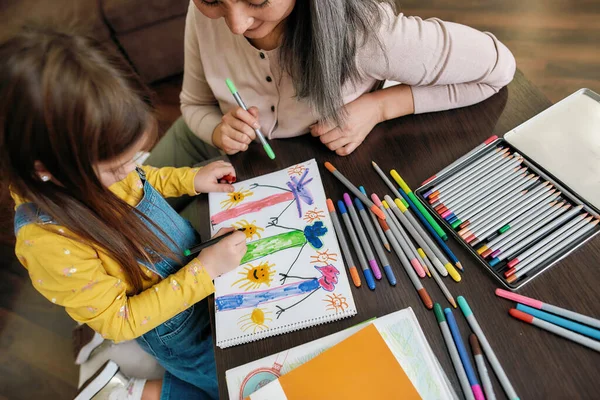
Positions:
{"x": 335, "y": 302}
{"x": 235, "y": 198}
{"x": 314, "y": 215}
{"x": 261, "y": 376}
{"x": 250, "y": 228}
{"x": 323, "y": 257}
{"x": 292, "y": 253}
{"x": 255, "y": 275}
{"x": 255, "y": 320}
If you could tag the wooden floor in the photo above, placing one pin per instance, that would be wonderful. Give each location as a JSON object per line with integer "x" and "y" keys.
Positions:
{"x": 555, "y": 43}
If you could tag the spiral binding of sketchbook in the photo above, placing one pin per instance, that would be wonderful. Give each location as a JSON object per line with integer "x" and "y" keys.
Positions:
{"x": 293, "y": 275}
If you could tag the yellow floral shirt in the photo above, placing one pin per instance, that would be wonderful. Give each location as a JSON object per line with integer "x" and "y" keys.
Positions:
{"x": 92, "y": 286}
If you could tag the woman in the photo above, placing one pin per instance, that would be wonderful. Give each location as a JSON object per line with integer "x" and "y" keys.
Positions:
{"x": 318, "y": 66}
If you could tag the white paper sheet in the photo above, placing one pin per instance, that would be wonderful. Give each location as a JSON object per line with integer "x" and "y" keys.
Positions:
{"x": 293, "y": 275}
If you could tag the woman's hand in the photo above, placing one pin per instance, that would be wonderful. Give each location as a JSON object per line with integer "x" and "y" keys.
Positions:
{"x": 225, "y": 255}
{"x": 362, "y": 115}
{"x": 207, "y": 179}
{"x": 236, "y": 131}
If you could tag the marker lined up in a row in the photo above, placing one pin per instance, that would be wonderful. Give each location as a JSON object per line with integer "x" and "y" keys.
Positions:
{"x": 503, "y": 209}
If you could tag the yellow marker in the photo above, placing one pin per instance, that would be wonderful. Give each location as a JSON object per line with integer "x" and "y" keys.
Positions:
{"x": 453, "y": 272}
{"x": 482, "y": 249}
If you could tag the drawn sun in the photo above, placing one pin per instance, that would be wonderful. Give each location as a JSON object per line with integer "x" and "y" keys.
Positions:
{"x": 250, "y": 228}
{"x": 235, "y": 198}
{"x": 255, "y": 276}
{"x": 335, "y": 302}
{"x": 255, "y": 320}
{"x": 314, "y": 215}
{"x": 324, "y": 257}
{"x": 296, "y": 170}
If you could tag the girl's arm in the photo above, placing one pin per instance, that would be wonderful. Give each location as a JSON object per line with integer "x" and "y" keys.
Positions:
{"x": 198, "y": 104}
{"x": 447, "y": 65}
{"x": 72, "y": 275}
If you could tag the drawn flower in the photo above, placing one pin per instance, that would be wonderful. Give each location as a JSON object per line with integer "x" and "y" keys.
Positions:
{"x": 255, "y": 276}
{"x": 313, "y": 234}
{"x": 175, "y": 285}
{"x": 296, "y": 170}
{"x": 250, "y": 228}
{"x": 324, "y": 257}
{"x": 69, "y": 271}
{"x": 335, "y": 302}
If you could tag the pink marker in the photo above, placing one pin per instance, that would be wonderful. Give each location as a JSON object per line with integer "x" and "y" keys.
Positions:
{"x": 362, "y": 236}
{"x": 528, "y": 301}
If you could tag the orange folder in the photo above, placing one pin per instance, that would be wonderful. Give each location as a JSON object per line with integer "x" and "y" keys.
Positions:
{"x": 360, "y": 367}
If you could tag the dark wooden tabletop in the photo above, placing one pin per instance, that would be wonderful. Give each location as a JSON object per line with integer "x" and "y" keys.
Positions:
{"x": 539, "y": 364}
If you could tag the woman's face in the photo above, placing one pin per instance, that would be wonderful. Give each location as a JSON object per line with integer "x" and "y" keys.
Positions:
{"x": 255, "y": 19}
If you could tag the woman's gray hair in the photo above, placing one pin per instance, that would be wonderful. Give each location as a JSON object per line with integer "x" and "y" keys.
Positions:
{"x": 319, "y": 48}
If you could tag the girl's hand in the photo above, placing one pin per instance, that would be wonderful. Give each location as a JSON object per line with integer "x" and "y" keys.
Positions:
{"x": 236, "y": 131}
{"x": 207, "y": 179}
{"x": 362, "y": 115}
{"x": 225, "y": 255}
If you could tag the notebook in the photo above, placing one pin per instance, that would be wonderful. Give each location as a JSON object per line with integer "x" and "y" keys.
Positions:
{"x": 400, "y": 330}
{"x": 293, "y": 274}
{"x": 360, "y": 367}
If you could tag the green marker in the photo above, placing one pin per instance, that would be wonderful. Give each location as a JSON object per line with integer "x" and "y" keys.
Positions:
{"x": 240, "y": 102}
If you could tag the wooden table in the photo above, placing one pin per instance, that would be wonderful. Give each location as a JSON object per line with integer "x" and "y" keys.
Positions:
{"x": 539, "y": 364}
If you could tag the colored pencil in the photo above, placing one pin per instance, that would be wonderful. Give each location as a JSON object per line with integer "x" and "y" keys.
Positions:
{"x": 462, "y": 353}
{"x": 562, "y": 233}
{"x": 438, "y": 280}
{"x": 343, "y": 244}
{"x": 562, "y": 322}
{"x": 540, "y": 305}
{"x": 458, "y": 161}
{"x": 477, "y": 177}
{"x": 418, "y": 207}
{"x": 486, "y": 382}
{"x": 407, "y": 267}
{"x": 480, "y": 163}
{"x": 495, "y": 222}
{"x": 480, "y": 216}
{"x": 357, "y": 248}
{"x": 502, "y": 194}
{"x": 354, "y": 190}
{"x": 454, "y": 356}
{"x": 201, "y": 246}
{"x": 509, "y": 251}
{"x": 407, "y": 247}
{"x": 415, "y": 235}
{"x": 516, "y": 235}
{"x": 559, "y": 245}
{"x": 488, "y": 186}
{"x": 533, "y": 216}
{"x": 431, "y": 250}
{"x": 487, "y": 349}
{"x": 384, "y": 240}
{"x": 557, "y": 330}
{"x": 376, "y": 244}
{"x": 362, "y": 237}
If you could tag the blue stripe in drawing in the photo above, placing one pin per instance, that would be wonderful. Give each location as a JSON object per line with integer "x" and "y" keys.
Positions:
{"x": 253, "y": 299}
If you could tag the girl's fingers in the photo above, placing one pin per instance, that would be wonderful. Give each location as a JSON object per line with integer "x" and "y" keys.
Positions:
{"x": 221, "y": 171}
{"x": 223, "y": 231}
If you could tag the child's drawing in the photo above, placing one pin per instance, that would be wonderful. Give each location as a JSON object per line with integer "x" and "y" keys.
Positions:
{"x": 255, "y": 320}
{"x": 335, "y": 302}
{"x": 292, "y": 253}
{"x": 255, "y": 276}
{"x": 235, "y": 198}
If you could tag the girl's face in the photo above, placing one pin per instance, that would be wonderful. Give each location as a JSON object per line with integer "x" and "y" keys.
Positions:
{"x": 255, "y": 19}
{"x": 117, "y": 169}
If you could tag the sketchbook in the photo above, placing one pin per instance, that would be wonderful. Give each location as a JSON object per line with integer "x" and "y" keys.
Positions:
{"x": 292, "y": 275}
{"x": 401, "y": 332}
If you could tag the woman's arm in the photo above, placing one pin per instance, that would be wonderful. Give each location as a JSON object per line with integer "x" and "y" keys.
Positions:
{"x": 447, "y": 65}
{"x": 198, "y": 105}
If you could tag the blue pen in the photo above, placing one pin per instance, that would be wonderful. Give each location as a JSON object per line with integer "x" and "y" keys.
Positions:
{"x": 430, "y": 229}
{"x": 376, "y": 244}
{"x": 464, "y": 357}
{"x": 565, "y": 323}
{"x": 357, "y": 248}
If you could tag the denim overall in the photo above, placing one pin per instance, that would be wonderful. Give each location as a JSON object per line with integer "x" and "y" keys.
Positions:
{"x": 183, "y": 344}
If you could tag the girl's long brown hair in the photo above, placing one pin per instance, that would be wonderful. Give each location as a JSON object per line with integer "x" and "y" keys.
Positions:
{"x": 69, "y": 103}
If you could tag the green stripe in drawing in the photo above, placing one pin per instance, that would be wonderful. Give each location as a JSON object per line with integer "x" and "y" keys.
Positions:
{"x": 273, "y": 244}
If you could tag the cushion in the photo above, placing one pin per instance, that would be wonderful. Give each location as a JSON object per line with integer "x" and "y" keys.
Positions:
{"x": 128, "y": 15}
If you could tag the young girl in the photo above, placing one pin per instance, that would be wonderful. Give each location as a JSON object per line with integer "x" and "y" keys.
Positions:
{"x": 317, "y": 66}
{"x": 92, "y": 228}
